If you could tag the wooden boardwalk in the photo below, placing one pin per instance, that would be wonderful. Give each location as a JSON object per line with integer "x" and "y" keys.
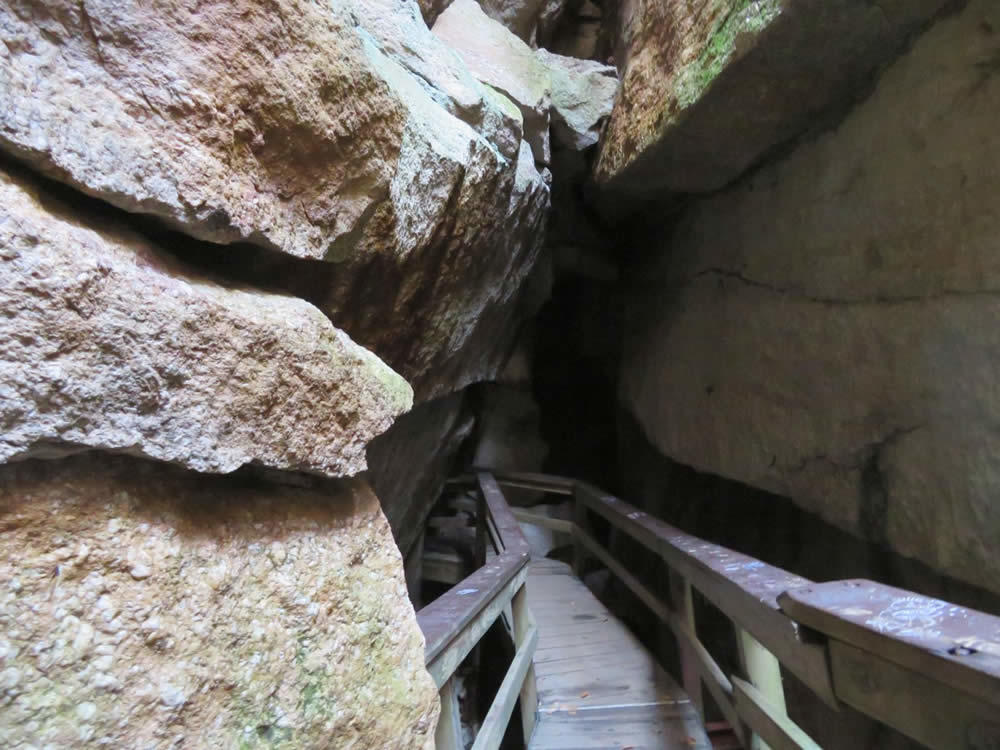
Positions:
{"x": 598, "y": 687}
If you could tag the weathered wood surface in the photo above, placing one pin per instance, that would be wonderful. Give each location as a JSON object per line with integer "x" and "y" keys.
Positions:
{"x": 549, "y": 483}
{"x": 443, "y": 619}
{"x": 448, "y": 658}
{"x": 708, "y": 671}
{"x": 744, "y": 588}
{"x": 448, "y": 735}
{"x": 598, "y": 687}
{"x": 929, "y": 711}
{"x": 495, "y": 724}
{"x": 958, "y": 646}
{"x": 768, "y": 722}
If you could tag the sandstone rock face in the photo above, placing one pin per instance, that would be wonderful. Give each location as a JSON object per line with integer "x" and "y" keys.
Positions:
{"x": 503, "y": 61}
{"x": 230, "y": 119}
{"x": 583, "y": 94}
{"x": 573, "y": 95}
{"x": 344, "y": 134}
{"x": 529, "y": 19}
{"x": 708, "y": 87}
{"x": 147, "y": 607}
{"x": 823, "y": 329}
{"x": 106, "y": 343}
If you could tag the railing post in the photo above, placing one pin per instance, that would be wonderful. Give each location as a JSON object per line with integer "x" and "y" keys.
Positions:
{"x": 683, "y": 603}
{"x": 481, "y": 532}
{"x": 523, "y": 621}
{"x": 580, "y": 525}
{"x": 448, "y": 735}
{"x": 764, "y": 673}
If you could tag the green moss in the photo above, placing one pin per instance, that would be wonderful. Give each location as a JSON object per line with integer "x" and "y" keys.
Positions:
{"x": 745, "y": 17}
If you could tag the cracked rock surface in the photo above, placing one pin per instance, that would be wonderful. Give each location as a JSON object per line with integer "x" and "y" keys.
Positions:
{"x": 343, "y": 133}
{"x": 145, "y": 606}
{"x": 106, "y": 342}
{"x": 823, "y": 329}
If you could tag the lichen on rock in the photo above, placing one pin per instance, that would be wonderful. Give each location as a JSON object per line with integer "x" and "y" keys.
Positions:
{"x": 142, "y": 606}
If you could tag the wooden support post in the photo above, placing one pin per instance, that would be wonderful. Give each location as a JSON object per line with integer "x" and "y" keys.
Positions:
{"x": 448, "y": 735}
{"x": 524, "y": 622}
{"x": 764, "y": 673}
{"x": 580, "y": 525}
{"x": 683, "y": 602}
{"x": 481, "y": 530}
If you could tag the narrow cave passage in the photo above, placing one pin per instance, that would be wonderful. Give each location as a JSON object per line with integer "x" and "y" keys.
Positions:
{"x": 549, "y": 374}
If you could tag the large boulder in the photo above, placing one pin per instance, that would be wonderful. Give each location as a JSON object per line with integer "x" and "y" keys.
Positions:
{"x": 341, "y": 133}
{"x": 498, "y": 58}
{"x": 107, "y": 342}
{"x": 709, "y": 87}
{"x": 575, "y": 96}
{"x": 144, "y": 606}
{"x": 826, "y": 330}
{"x": 583, "y": 94}
{"x": 532, "y": 20}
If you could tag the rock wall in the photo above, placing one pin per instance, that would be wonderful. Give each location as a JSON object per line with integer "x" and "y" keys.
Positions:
{"x": 709, "y": 87}
{"x": 247, "y": 237}
{"x": 823, "y": 328}
{"x": 346, "y": 134}
{"x": 144, "y": 606}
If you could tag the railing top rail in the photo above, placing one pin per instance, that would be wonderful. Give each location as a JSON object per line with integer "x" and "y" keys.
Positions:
{"x": 958, "y": 646}
{"x": 445, "y": 618}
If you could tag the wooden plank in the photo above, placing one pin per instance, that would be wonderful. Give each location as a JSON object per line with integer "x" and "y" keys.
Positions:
{"x": 768, "y": 721}
{"x": 708, "y": 670}
{"x": 917, "y": 705}
{"x": 957, "y": 646}
{"x": 444, "y": 618}
{"x": 448, "y": 735}
{"x": 508, "y": 529}
{"x": 549, "y": 483}
{"x": 743, "y": 588}
{"x": 443, "y": 567}
{"x": 495, "y": 724}
{"x": 657, "y": 726}
{"x": 764, "y": 672}
{"x": 447, "y": 659}
{"x": 546, "y": 522}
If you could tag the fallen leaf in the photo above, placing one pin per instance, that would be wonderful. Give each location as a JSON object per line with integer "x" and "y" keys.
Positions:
{"x": 584, "y": 694}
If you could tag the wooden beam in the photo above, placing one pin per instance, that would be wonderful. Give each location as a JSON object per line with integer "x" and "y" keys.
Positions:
{"x": 918, "y": 705}
{"x": 764, "y": 672}
{"x": 495, "y": 724}
{"x": 453, "y": 654}
{"x": 768, "y": 721}
{"x": 547, "y": 522}
{"x": 955, "y": 645}
{"x": 743, "y": 588}
{"x": 443, "y": 567}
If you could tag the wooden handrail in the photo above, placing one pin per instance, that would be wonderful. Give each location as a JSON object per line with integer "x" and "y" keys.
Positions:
{"x": 927, "y": 668}
{"x": 455, "y": 622}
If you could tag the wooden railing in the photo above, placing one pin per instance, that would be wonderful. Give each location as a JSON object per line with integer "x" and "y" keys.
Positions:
{"x": 927, "y": 668}
{"x": 454, "y": 623}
